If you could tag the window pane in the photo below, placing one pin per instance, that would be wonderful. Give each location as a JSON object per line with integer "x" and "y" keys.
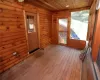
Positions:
{"x": 62, "y": 24}
{"x": 30, "y": 22}
{"x": 63, "y": 37}
{"x": 79, "y": 25}
{"x": 62, "y": 33}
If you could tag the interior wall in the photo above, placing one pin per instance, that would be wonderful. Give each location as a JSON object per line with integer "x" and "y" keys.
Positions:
{"x": 70, "y": 42}
{"x": 13, "y": 33}
{"x": 94, "y": 30}
{"x": 91, "y": 22}
{"x": 96, "y": 42}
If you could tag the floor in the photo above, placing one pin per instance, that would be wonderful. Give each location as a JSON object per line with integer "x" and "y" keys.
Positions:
{"x": 53, "y": 63}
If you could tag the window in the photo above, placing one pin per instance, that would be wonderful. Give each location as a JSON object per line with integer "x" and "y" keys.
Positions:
{"x": 62, "y": 33}
{"x": 79, "y": 25}
{"x": 30, "y": 23}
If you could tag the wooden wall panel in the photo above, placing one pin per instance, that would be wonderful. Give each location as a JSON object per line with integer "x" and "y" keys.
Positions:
{"x": 94, "y": 25}
{"x": 13, "y": 33}
{"x": 78, "y": 44}
{"x": 96, "y": 42}
{"x": 45, "y": 29}
{"x": 91, "y": 22}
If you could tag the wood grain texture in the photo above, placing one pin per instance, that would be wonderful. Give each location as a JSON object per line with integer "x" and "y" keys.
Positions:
{"x": 96, "y": 42}
{"x": 13, "y": 33}
{"x": 54, "y": 63}
{"x": 55, "y": 5}
{"x": 92, "y": 22}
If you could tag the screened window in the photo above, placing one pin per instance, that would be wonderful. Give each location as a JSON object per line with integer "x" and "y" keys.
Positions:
{"x": 79, "y": 25}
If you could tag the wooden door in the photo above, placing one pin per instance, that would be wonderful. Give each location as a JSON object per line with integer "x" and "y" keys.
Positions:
{"x": 32, "y": 31}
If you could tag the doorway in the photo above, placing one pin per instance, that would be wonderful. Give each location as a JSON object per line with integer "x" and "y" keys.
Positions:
{"x": 62, "y": 30}
{"x": 32, "y": 32}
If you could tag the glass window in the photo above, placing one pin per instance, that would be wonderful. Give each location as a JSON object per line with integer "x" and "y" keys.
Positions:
{"x": 63, "y": 37}
{"x": 30, "y": 23}
{"x": 62, "y": 33}
{"x": 79, "y": 25}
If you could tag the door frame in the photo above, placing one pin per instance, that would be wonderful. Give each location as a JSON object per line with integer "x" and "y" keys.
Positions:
{"x": 26, "y": 28}
{"x": 66, "y": 31}
{"x": 77, "y": 44}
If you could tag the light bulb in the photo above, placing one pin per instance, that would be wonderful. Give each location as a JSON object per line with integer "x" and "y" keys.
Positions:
{"x": 20, "y": 0}
{"x": 67, "y": 5}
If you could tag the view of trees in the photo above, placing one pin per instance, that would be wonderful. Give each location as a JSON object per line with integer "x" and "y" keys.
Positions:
{"x": 79, "y": 24}
{"x": 80, "y": 15}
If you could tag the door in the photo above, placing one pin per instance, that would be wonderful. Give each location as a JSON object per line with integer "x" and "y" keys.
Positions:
{"x": 32, "y": 31}
{"x": 62, "y": 30}
{"x": 78, "y": 29}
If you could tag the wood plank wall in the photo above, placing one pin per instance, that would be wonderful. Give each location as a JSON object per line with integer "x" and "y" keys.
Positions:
{"x": 95, "y": 24}
{"x": 45, "y": 28}
{"x": 91, "y": 22}
{"x": 70, "y": 42}
{"x": 13, "y": 34}
{"x": 96, "y": 42}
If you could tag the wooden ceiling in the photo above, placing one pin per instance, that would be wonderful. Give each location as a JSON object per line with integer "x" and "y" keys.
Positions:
{"x": 54, "y": 5}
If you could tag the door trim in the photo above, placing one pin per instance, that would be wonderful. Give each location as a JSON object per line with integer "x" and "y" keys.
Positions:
{"x": 26, "y": 29}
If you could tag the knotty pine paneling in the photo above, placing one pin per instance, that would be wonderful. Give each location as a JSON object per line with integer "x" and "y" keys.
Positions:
{"x": 92, "y": 22}
{"x": 45, "y": 29}
{"x": 12, "y": 37}
{"x": 13, "y": 34}
{"x": 96, "y": 41}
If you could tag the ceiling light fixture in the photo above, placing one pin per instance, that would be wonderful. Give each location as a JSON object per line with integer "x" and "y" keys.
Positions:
{"x": 20, "y": 0}
{"x": 67, "y": 5}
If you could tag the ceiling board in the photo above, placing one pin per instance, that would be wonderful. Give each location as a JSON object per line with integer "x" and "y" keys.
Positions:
{"x": 55, "y": 5}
